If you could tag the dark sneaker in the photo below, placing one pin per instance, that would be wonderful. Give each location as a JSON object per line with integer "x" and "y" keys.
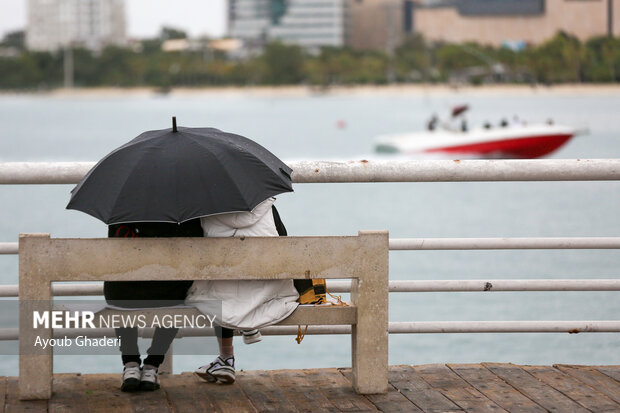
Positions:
{"x": 131, "y": 379}
{"x": 149, "y": 380}
{"x": 219, "y": 370}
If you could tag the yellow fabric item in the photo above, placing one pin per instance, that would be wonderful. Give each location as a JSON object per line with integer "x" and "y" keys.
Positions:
{"x": 315, "y": 296}
{"x": 313, "y": 292}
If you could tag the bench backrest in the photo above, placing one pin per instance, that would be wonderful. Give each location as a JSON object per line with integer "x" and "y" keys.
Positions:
{"x": 362, "y": 258}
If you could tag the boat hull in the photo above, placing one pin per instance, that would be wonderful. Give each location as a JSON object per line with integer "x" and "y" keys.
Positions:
{"x": 522, "y": 142}
{"x": 524, "y": 148}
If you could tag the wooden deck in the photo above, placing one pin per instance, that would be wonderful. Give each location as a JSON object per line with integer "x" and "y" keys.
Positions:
{"x": 428, "y": 388}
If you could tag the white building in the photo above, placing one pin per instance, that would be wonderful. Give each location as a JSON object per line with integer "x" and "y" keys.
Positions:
{"x": 308, "y": 23}
{"x": 312, "y": 24}
{"x": 249, "y": 19}
{"x": 93, "y": 24}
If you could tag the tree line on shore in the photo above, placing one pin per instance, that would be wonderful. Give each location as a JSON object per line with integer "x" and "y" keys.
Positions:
{"x": 561, "y": 59}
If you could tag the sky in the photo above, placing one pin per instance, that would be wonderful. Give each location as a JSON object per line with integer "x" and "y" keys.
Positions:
{"x": 144, "y": 17}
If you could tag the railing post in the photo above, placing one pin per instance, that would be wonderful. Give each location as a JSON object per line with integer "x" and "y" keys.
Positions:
{"x": 35, "y": 291}
{"x": 369, "y": 339}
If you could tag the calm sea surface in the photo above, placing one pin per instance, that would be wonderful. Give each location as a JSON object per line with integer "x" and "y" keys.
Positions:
{"x": 39, "y": 128}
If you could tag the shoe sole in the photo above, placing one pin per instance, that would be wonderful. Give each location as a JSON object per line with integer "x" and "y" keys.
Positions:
{"x": 251, "y": 340}
{"x": 130, "y": 385}
{"x": 206, "y": 376}
{"x": 225, "y": 379}
{"x": 220, "y": 378}
{"x": 148, "y": 386}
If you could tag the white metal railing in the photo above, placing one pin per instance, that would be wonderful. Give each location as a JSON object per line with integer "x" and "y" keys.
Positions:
{"x": 369, "y": 171}
{"x": 400, "y": 244}
{"x": 504, "y": 243}
{"x": 404, "y": 171}
{"x": 394, "y": 327}
{"x": 8, "y": 247}
{"x": 395, "y": 286}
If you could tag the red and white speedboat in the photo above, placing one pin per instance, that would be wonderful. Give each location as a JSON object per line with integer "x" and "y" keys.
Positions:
{"x": 515, "y": 140}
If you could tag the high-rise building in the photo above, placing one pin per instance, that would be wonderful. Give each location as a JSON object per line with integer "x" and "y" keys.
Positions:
{"x": 92, "y": 24}
{"x": 248, "y": 19}
{"x": 311, "y": 24}
{"x": 379, "y": 24}
{"x": 307, "y": 23}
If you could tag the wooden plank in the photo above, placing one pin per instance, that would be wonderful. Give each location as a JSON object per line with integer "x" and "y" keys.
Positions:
{"x": 392, "y": 401}
{"x": 104, "y": 395}
{"x": 225, "y": 397}
{"x": 411, "y": 385}
{"x": 2, "y": 393}
{"x": 593, "y": 377}
{"x": 263, "y": 392}
{"x": 69, "y": 394}
{"x": 185, "y": 394}
{"x": 586, "y": 396}
{"x": 542, "y": 394}
{"x": 441, "y": 378}
{"x": 301, "y": 392}
{"x": 14, "y": 405}
{"x": 338, "y": 390}
{"x": 611, "y": 371}
{"x": 495, "y": 388}
{"x": 149, "y": 401}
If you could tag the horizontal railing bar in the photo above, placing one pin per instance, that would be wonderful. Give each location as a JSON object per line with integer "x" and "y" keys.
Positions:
{"x": 399, "y": 244}
{"x": 10, "y": 290}
{"x": 62, "y": 290}
{"x": 399, "y": 327}
{"x": 504, "y": 327}
{"x": 395, "y": 286}
{"x": 369, "y": 171}
{"x": 13, "y": 333}
{"x": 8, "y": 248}
{"x": 402, "y": 244}
{"x": 417, "y": 286}
{"x": 456, "y": 170}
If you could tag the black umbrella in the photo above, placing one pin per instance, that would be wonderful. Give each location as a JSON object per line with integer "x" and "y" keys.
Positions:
{"x": 173, "y": 175}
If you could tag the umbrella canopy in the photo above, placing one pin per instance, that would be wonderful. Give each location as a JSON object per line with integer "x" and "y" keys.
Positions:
{"x": 174, "y": 175}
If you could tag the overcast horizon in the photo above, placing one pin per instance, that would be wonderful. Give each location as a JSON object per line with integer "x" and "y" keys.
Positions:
{"x": 145, "y": 18}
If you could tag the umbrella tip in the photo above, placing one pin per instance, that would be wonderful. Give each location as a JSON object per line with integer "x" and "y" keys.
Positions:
{"x": 174, "y": 124}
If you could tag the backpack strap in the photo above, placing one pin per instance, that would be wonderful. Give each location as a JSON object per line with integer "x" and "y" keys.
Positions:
{"x": 278, "y": 221}
{"x": 121, "y": 231}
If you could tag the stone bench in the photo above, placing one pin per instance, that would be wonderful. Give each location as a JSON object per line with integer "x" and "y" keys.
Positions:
{"x": 362, "y": 258}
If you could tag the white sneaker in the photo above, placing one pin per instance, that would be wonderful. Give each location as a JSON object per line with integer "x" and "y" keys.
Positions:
{"x": 131, "y": 379}
{"x": 251, "y": 336}
{"x": 219, "y": 370}
{"x": 149, "y": 380}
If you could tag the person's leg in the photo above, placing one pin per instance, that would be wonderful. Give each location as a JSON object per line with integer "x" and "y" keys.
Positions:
{"x": 130, "y": 355}
{"x": 225, "y": 341}
{"x": 162, "y": 338}
{"x": 128, "y": 338}
{"x": 222, "y": 369}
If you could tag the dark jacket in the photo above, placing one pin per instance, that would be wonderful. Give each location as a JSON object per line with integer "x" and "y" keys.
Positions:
{"x": 125, "y": 293}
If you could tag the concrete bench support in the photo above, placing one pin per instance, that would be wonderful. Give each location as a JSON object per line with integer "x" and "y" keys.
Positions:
{"x": 362, "y": 258}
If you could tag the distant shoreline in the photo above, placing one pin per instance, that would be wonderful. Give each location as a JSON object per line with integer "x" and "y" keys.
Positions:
{"x": 358, "y": 90}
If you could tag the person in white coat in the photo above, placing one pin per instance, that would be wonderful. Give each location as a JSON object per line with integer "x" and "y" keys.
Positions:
{"x": 247, "y": 305}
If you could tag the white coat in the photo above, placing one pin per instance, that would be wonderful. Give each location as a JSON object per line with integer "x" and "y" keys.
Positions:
{"x": 246, "y": 304}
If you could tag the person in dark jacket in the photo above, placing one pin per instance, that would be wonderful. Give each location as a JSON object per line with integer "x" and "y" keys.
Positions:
{"x": 140, "y": 294}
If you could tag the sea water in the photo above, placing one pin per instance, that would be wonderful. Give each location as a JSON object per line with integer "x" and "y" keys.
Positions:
{"x": 342, "y": 127}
